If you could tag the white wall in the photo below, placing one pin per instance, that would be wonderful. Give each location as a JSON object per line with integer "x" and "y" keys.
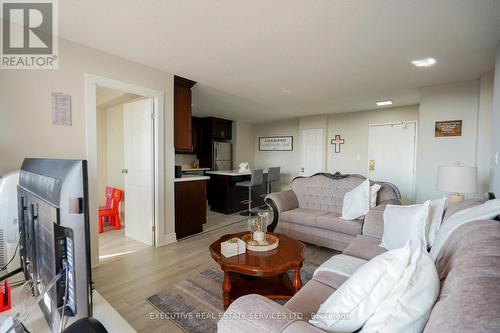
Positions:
{"x": 243, "y": 143}
{"x": 287, "y": 160}
{"x": 185, "y": 160}
{"x": 353, "y": 127}
{"x": 484, "y": 125}
{"x": 115, "y": 147}
{"x": 456, "y": 101}
{"x": 495, "y": 139}
{"x": 26, "y": 124}
{"x": 110, "y": 158}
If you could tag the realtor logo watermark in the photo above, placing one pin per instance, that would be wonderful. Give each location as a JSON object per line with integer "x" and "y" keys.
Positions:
{"x": 29, "y": 34}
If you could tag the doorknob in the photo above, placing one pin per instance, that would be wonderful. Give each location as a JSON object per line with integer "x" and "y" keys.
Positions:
{"x": 124, "y": 171}
{"x": 372, "y": 165}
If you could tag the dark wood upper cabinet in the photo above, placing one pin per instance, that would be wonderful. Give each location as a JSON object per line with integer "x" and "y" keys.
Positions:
{"x": 218, "y": 129}
{"x": 196, "y": 128}
{"x": 183, "y": 138}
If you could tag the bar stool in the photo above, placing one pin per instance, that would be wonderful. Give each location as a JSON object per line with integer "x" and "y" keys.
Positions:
{"x": 273, "y": 174}
{"x": 256, "y": 179}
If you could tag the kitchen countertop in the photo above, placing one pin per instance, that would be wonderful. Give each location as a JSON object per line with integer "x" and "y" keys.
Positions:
{"x": 189, "y": 178}
{"x": 232, "y": 173}
{"x": 195, "y": 169}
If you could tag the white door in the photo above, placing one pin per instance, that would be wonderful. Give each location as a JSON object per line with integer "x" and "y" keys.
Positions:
{"x": 313, "y": 151}
{"x": 138, "y": 161}
{"x": 391, "y": 156}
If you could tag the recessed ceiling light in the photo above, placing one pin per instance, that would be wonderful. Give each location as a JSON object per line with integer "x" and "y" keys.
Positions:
{"x": 383, "y": 103}
{"x": 427, "y": 62}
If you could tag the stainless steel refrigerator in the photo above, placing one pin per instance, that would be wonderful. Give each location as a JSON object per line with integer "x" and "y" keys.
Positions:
{"x": 221, "y": 155}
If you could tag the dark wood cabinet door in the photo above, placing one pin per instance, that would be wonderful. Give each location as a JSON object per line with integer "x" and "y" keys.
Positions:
{"x": 190, "y": 207}
{"x": 183, "y": 138}
{"x": 182, "y": 119}
{"x": 196, "y": 133}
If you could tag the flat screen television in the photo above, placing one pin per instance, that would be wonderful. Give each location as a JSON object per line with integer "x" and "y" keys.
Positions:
{"x": 54, "y": 236}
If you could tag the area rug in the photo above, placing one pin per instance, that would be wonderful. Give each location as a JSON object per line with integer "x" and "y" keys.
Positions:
{"x": 195, "y": 304}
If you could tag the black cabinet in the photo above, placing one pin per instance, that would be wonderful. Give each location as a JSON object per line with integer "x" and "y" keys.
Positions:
{"x": 211, "y": 129}
{"x": 196, "y": 127}
{"x": 217, "y": 128}
{"x": 190, "y": 207}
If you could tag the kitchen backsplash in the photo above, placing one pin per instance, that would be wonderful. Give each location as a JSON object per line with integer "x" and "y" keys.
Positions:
{"x": 185, "y": 159}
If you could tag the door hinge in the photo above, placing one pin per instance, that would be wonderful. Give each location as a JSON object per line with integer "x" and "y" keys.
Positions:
{"x": 153, "y": 228}
{"x": 152, "y": 115}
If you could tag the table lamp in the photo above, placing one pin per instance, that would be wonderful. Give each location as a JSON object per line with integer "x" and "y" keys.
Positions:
{"x": 457, "y": 179}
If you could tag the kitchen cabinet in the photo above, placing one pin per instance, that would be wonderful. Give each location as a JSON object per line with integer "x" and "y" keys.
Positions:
{"x": 217, "y": 128}
{"x": 196, "y": 129}
{"x": 183, "y": 139}
{"x": 227, "y": 198}
{"x": 190, "y": 207}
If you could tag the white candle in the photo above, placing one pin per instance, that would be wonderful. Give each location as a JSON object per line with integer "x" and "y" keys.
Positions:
{"x": 258, "y": 236}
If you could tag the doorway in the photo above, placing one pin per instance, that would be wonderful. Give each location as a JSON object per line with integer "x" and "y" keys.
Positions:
{"x": 125, "y": 153}
{"x": 157, "y": 227}
{"x": 312, "y": 151}
{"x": 392, "y": 156}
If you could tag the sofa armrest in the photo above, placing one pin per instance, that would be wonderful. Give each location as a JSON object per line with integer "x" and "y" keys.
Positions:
{"x": 373, "y": 224}
{"x": 280, "y": 202}
{"x": 255, "y": 313}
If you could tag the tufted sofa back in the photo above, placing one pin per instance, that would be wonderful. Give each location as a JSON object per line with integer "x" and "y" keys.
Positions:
{"x": 325, "y": 193}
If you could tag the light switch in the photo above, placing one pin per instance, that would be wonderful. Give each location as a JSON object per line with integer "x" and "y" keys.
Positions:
{"x": 358, "y": 158}
{"x": 496, "y": 158}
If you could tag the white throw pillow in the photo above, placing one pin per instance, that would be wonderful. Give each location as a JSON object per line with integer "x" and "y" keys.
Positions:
{"x": 373, "y": 194}
{"x": 359, "y": 200}
{"x": 350, "y": 306}
{"x": 436, "y": 212}
{"x": 408, "y": 306}
{"x": 404, "y": 223}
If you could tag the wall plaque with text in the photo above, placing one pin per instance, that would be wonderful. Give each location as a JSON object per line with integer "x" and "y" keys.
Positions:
{"x": 448, "y": 128}
{"x": 276, "y": 143}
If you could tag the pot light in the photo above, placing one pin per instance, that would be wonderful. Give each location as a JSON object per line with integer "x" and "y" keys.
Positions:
{"x": 383, "y": 103}
{"x": 427, "y": 62}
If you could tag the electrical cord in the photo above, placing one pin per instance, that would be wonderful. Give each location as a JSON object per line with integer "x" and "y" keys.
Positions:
{"x": 63, "y": 311}
{"x": 11, "y": 259}
{"x": 24, "y": 328}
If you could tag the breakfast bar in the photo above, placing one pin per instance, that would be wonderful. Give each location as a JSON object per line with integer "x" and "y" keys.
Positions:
{"x": 227, "y": 198}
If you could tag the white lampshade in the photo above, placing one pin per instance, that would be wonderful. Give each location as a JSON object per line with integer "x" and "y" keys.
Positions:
{"x": 457, "y": 179}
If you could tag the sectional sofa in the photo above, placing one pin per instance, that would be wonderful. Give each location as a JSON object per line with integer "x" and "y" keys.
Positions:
{"x": 468, "y": 267}
{"x": 310, "y": 211}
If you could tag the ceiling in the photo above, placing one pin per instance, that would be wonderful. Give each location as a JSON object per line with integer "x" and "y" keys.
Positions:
{"x": 264, "y": 60}
{"x": 107, "y": 98}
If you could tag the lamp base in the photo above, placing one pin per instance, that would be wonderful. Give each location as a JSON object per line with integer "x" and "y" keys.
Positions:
{"x": 456, "y": 197}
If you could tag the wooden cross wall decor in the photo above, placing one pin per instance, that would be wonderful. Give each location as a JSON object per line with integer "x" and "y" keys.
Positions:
{"x": 337, "y": 142}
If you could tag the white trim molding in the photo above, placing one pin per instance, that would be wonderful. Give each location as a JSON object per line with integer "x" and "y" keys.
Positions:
{"x": 91, "y": 83}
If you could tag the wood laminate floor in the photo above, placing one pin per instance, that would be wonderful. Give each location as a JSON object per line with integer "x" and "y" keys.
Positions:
{"x": 127, "y": 280}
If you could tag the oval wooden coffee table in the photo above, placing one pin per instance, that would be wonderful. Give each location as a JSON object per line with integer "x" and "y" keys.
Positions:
{"x": 263, "y": 273}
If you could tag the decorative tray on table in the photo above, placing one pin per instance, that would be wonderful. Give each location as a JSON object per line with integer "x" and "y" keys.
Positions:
{"x": 270, "y": 243}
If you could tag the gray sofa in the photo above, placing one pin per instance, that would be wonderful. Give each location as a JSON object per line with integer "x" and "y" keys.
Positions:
{"x": 469, "y": 299}
{"x": 310, "y": 211}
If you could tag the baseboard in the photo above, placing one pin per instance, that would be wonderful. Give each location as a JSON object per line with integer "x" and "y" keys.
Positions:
{"x": 167, "y": 239}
